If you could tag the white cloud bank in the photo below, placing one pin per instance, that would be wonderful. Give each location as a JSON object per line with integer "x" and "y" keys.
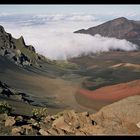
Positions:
{"x": 55, "y": 39}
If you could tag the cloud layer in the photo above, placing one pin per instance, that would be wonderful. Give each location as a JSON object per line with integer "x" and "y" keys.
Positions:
{"x": 52, "y": 35}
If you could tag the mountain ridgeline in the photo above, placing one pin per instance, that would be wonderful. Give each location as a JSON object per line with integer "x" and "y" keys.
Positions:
{"x": 16, "y": 50}
{"x": 120, "y": 28}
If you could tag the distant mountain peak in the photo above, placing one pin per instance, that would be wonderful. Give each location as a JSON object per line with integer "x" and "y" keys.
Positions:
{"x": 120, "y": 28}
{"x": 119, "y": 21}
{"x": 121, "y": 18}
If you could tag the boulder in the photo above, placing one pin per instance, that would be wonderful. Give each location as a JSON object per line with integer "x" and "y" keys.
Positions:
{"x": 120, "y": 117}
{"x": 70, "y": 121}
{"x": 84, "y": 119}
{"x": 43, "y": 132}
{"x": 26, "y": 63}
{"x": 48, "y": 119}
{"x": 76, "y": 120}
{"x": 44, "y": 126}
{"x": 28, "y": 130}
{"x": 71, "y": 118}
{"x": 10, "y": 121}
{"x": 56, "y": 131}
{"x": 16, "y": 131}
{"x": 60, "y": 123}
{"x": 19, "y": 118}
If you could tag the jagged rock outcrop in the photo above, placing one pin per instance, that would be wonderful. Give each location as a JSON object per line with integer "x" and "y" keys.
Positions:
{"x": 122, "y": 117}
{"x": 120, "y": 28}
{"x": 17, "y": 51}
{"x": 10, "y": 93}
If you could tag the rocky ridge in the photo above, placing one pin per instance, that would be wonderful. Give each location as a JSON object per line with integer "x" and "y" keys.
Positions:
{"x": 17, "y": 51}
{"x": 7, "y": 92}
{"x": 112, "y": 119}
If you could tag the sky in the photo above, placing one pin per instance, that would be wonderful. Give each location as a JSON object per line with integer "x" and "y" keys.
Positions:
{"x": 49, "y": 28}
{"x": 88, "y": 9}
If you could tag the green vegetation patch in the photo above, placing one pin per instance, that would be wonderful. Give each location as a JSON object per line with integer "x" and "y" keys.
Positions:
{"x": 39, "y": 112}
{"x": 5, "y": 108}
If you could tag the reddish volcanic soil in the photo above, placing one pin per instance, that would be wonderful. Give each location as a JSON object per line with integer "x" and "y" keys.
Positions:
{"x": 114, "y": 92}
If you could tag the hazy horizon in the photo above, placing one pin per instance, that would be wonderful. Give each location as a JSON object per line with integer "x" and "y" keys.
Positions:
{"x": 49, "y": 28}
